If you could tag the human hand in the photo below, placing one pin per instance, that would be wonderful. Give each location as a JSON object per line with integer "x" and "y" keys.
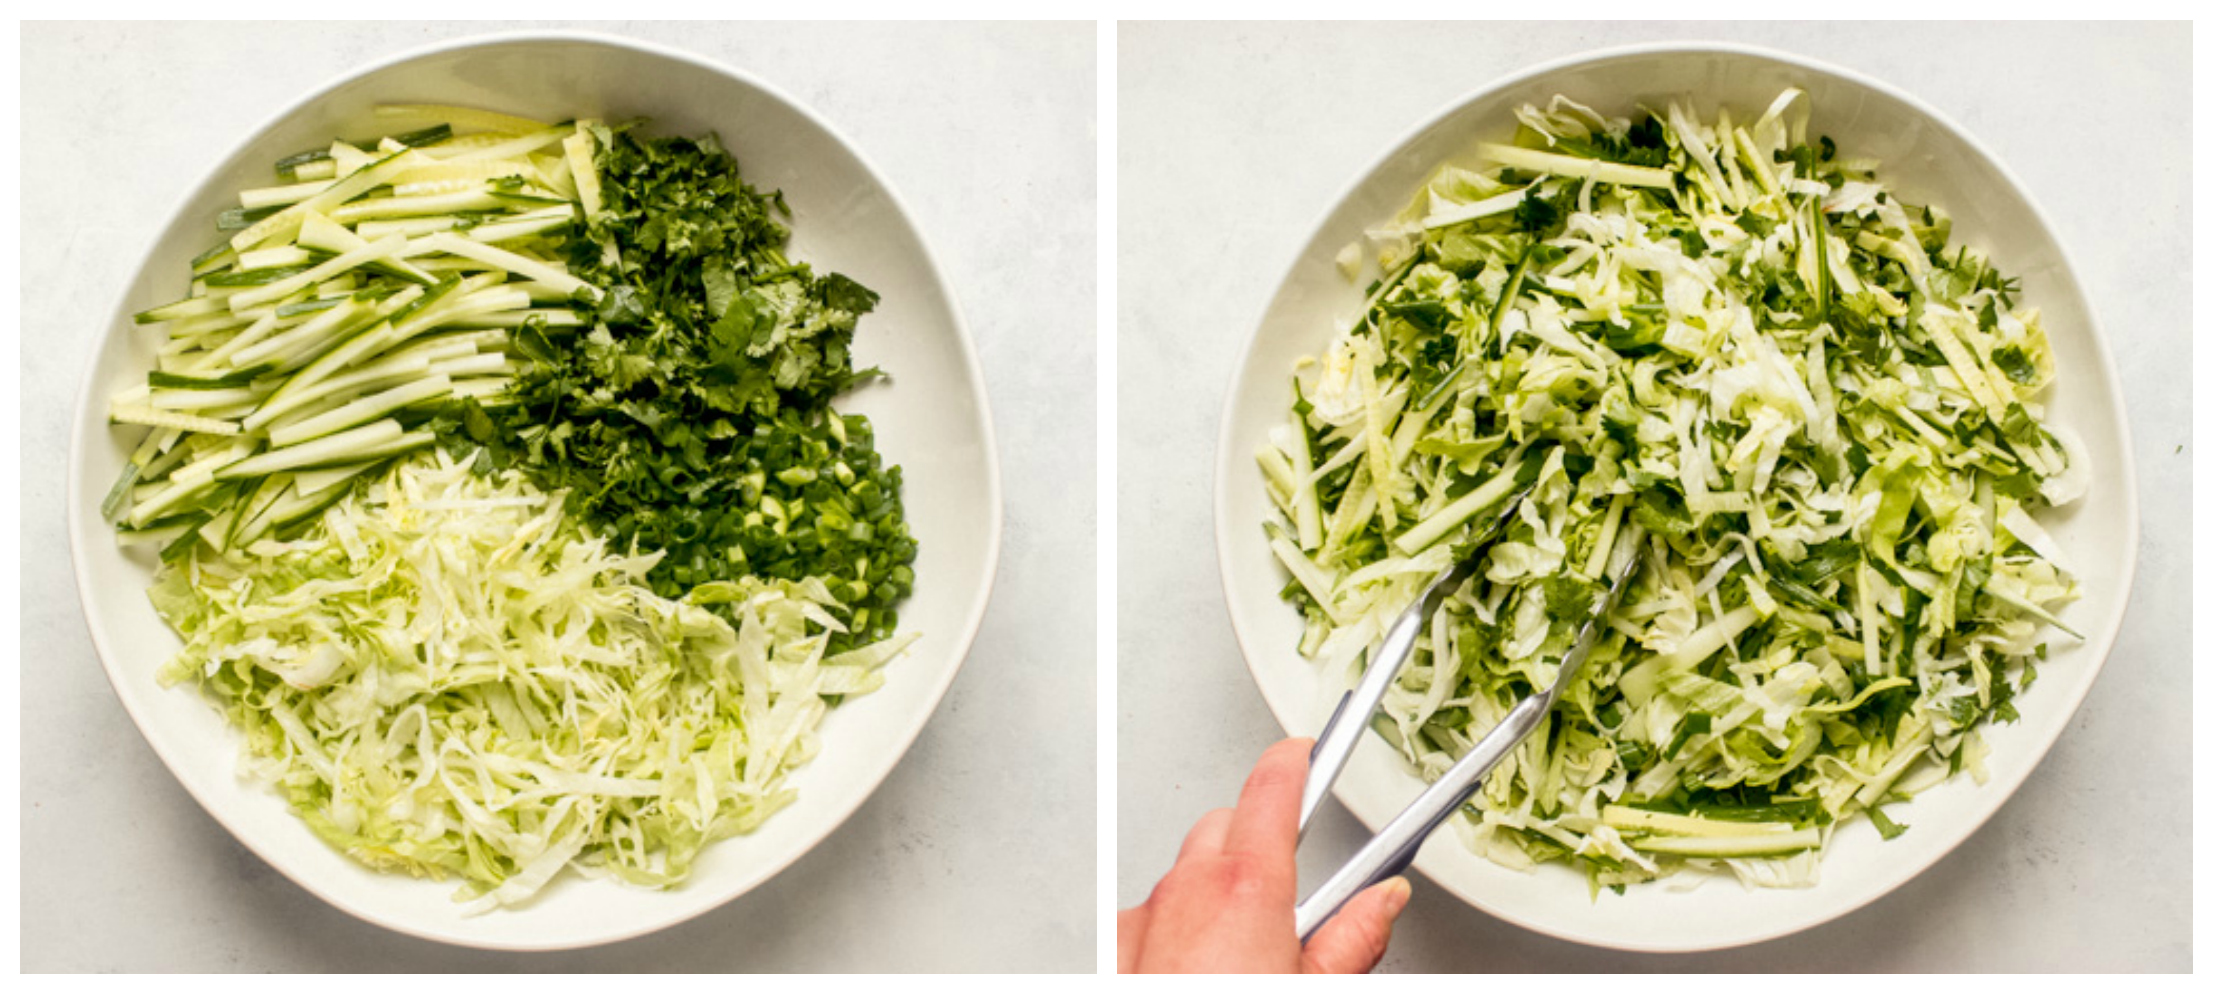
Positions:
{"x": 1226, "y": 906}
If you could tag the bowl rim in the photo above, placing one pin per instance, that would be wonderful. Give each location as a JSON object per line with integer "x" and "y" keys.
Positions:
{"x": 960, "y": 644}
{"x": 2123, "y": 465}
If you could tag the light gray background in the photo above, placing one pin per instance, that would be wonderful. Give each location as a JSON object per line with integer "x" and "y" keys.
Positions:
{"x": 1234, "y": 140}
{"x": 979, "y": 851}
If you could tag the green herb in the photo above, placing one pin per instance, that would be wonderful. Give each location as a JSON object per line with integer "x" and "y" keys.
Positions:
{"x": 694, "y": 416}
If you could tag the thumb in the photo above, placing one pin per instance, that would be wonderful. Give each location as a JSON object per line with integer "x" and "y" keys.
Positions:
{"x": 1353, "y": 942}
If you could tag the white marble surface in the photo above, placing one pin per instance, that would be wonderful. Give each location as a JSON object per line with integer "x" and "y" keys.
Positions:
{"x": 1233, "y": 139}
{"x": 978, "y": 853}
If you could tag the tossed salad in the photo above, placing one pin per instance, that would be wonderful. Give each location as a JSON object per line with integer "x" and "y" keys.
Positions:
{"x": 500, "y": 503}
{"x": 1822, "y": 416}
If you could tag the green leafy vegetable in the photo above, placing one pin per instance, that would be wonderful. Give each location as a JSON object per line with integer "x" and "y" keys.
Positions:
{"x": 693, "y": 416}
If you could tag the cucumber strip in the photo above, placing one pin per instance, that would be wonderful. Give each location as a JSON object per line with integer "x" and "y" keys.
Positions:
{"x": 465, "y": 143}
{"x": 222, "y": 320}
{"x": 486, "y": 301}
{"x": 159, "y": 535}
{"x": 154, "y": 444}
{"x": 334, "y": 399}
{"x": 187, "y": 541}
{"x": 241, "y": 219}
{"x": 286, "y": 222}
{"x": 516, "y": 147}
{"x": 405, "y": 443}
{"x": 466, "y": 220}
{"x": 565, "y": 209}
{"x": 452, "y": 264}
{"x": 301, "y": 507}
{"x": 257, "y": 503}
{"x": 307, "y": 331}
{"x": 482, "y": 387}
{"x": 140, "y": 414}
{"x": 541, "y": 293}
{"x": 311, "y": 482}
{"x": 215, "y": 530}
{"x": 553, "y": 317}
{"x": 319, "y": 231}
{"x": 180, "y": 356}
{"x": 308, "y": 328}
{"x": 1628, "y": 819}
{"x": 1490, "y": 492}
{"x": 321, "y": 168}
{"x": 231, "y": 412}
{"x": 346, "y": 159}
{"x": 512, "y": 230}
{"x": 440, "y": 177}
{"x": 329, "y": 357}
{"x": 554, "y": 173}
{"x": 362, "y": 411}
{"x": 253, "y": 529}
{"x": 213, "y": 259}
{"x": 532, "y": 196}
{"x": 437, "y": 203}
{"x": 338, "y": 264}
{"x": 188, "y": 307}
{"x": 290, "y": 164}
{"x": 170, "y": 458}
{"x": 180, "y": 343}
{"x": 453, "y": 309}
{"x": 309, "y": 306}
{"x": 1596, "y": 170}
{"x": 120, "y": 495}
{"x": 352, "y": 345}
{"x": 409, "y": 226}
{"x": 345, "y": 446}
{"x": 467, "y": 367}
{"x": 396, "y": 367}
{"x": 280, "y": 196}
{"x": 174, "y": 381}
{"x": 183, "y": 486}
{"x": 426, "y": 137}
{"x": 578, "y": 148}
{"x": 200, "y": 400}
{"x": 273, "y": 258}
{"x": 1725, "y": 847}
{"x": 218, "y": 358}
{"x": 502, "y": 259}
{"x": 413, "y": 139}
{"x": 208, "y": 460}
{"x": 240, "y": 279}
{"x": 468, "y": 118}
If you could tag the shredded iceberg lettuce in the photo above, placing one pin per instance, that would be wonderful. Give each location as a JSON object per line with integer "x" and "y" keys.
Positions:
{"x": 1824, "y": 415}
{"x": 444, "y": 676}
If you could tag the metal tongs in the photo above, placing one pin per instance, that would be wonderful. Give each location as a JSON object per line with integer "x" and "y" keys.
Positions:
{"x": 1392, "y": 850}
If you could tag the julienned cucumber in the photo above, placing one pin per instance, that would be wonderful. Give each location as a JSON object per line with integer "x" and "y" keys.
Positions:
{"x": 354, "y": 296}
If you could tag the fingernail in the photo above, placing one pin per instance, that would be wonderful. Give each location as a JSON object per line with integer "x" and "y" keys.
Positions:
{"x": 1396, "y": 892}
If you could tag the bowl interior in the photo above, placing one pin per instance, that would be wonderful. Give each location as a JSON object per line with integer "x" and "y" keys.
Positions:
{"x": 931, "y": 417}
{"x": 1925, "y": 159}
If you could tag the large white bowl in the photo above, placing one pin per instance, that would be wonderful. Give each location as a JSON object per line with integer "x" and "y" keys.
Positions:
{"x": 1927, "y": 158}
{"x": 930, "y": 418}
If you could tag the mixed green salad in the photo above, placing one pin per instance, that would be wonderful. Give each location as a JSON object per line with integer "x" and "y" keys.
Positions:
{"x": 500, "y": 503}
{"x": 1823, "y": 416}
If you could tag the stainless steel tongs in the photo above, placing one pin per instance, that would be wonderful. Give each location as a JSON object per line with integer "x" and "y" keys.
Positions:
{"x": 1392, "y": 850}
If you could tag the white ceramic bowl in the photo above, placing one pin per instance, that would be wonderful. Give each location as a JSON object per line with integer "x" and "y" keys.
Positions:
{"x": 931, "y": 418}
{"x": 1926, "y": 158}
